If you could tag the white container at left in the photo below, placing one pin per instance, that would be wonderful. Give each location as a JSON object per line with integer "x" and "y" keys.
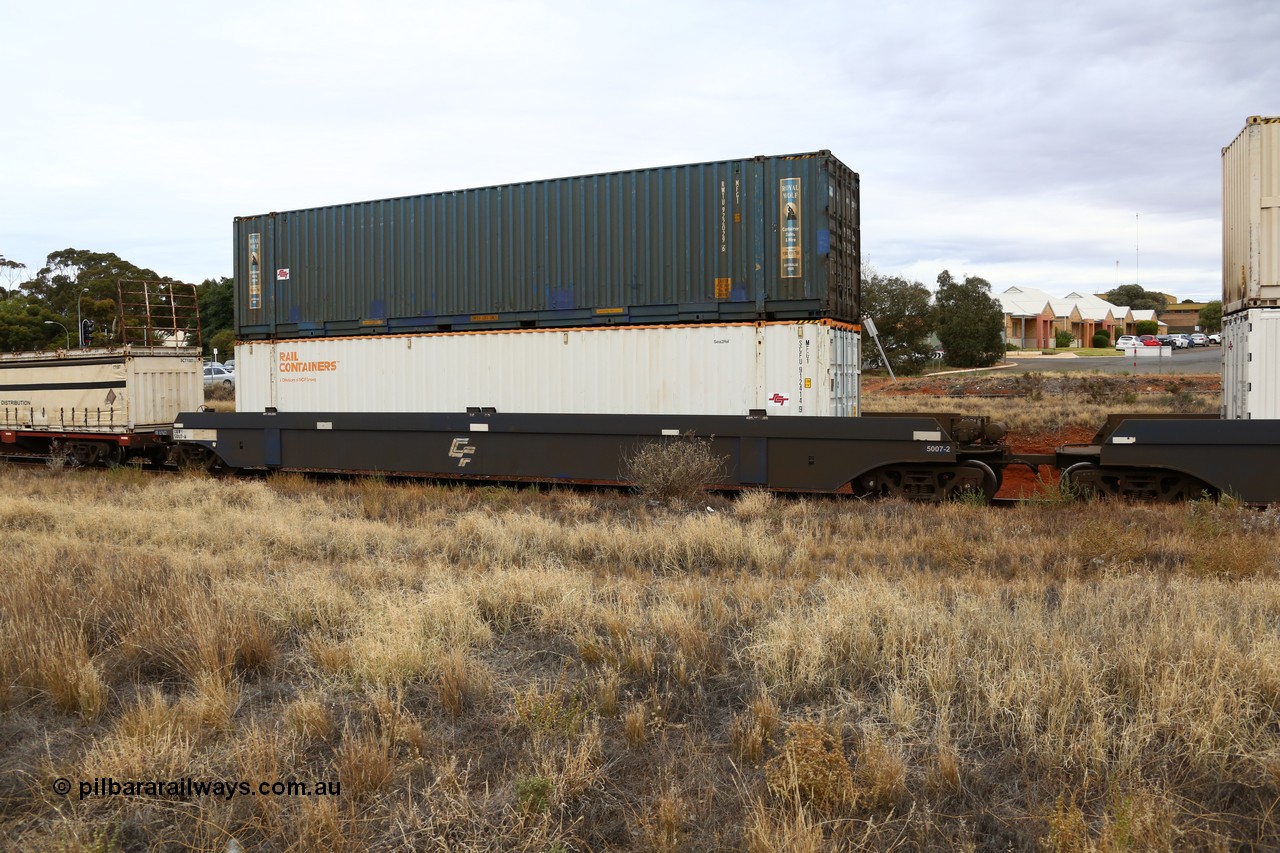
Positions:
{"x": 99, "y": 389}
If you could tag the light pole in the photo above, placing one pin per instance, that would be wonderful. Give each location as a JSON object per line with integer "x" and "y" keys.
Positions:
{"x": 62, "y": 327}
{"x": 79, "y": 323}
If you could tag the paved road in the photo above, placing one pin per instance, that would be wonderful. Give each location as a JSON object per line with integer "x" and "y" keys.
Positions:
{"x": 1194, "y": 360}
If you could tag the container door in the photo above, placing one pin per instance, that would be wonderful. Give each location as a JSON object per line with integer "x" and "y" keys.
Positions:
{"x": 254, "y": 239}
{"x": 844, "y": 372}
{"x": 842, "y": 238}
{"x": 1235, "y": 367}
{"x": 759, "y": 217}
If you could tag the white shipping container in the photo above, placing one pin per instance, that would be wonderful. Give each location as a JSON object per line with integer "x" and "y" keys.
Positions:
{"x": 1251, "y": 217}
{"x": 99, "y": 390}
{"x": 793, "y": 368}
{"x": 1251, "y": 364}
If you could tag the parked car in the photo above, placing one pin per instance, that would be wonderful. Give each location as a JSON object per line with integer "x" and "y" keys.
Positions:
{"x": 1215, "y": 338}
{"x": 1198, "y": 339}
{"x": 1180, "y": 340}
{"x": 1127, "y": 341}
{"x": 1167, "y": 341}
{"x": 1149, "y": 340}
{"x": 230, "y": 364}
{"x": 216, "y": 374}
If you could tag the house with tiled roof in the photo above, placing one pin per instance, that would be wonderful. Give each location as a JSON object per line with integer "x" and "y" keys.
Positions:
{"x": 1033, "y": 318}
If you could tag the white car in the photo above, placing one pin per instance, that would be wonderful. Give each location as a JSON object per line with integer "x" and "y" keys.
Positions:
{"x": 1181, "y": 341}
{"x": 1216, "y": 338}
{"x": 216, "y": 374}
{"x": 1127, "y": 342}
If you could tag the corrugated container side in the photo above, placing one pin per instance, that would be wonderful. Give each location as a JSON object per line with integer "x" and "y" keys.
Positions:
{"x": 768, "y": 237}
{"x": 98, "y": 391}
{"x": 162, "y": 387}
{"x": 1251, "y": 353}
{"x": 803, "y": 368}
{"x": 1251, "y": 217}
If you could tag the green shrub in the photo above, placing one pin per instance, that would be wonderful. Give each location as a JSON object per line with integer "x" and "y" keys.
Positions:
{"x": 533, "y": 794}
{"x": 1063, "y": 339}
{"x": 1101, "y": 340}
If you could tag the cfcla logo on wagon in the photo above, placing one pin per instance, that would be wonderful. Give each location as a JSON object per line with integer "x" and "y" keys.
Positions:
{"x": 779, "y": 400}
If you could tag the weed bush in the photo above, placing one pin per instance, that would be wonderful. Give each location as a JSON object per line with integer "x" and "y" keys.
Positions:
{"x": 1030, "y": 385}
{"x": 675, "y": 471}
{"x": 811, "y": 769}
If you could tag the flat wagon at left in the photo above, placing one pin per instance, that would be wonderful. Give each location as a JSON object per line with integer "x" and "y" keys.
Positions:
{"x": 115, "y": 400}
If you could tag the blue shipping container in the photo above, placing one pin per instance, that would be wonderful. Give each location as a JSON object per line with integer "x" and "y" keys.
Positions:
{"x": 766, "y": 238}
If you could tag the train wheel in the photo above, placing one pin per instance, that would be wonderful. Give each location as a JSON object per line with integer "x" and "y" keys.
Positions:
{"x": 114, "y": 456}
{"x": 1082, "y": 480}
{"x": 978, "y": 480}
{"x": 191, "y": 457}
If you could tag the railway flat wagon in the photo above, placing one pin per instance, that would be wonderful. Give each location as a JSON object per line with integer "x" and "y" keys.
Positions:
{"x": 764, "y": 238}
{"x": 806, "y": 368}
{"x": 96, "y": 404}
{"x": 917, "y": 457}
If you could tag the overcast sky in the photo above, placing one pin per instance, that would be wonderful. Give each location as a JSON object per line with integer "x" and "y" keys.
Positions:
{"x": 1059, "y": 146}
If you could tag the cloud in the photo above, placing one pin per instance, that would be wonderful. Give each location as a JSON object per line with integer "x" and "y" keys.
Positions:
{"x": 1015, "y": 141}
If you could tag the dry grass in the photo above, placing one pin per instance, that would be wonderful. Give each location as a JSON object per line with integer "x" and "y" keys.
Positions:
{"x": 1048, "y": 403}
{"x": 488, "y": 669}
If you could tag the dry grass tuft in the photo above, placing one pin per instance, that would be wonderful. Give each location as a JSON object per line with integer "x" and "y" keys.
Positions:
{"x": 309, "y": 718}
{"x": 635, "y": 725}
{"x": 753, "y": 730}
{"x": 463, "y": 682}
{"x": 787, "y": 831}
{"x": 364, "y": 763}
{"x": 880, "y": 777}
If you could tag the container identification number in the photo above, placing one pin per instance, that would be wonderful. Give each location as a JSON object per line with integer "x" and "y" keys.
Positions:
{"x": 937, "y": 448}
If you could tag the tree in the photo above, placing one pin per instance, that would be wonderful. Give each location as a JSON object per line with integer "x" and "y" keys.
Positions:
{"x": 11, "y": 272}
{"x": 1135, "y": 296}
{"x": 217, "y": 305}
{"x": 969, "y": 321}
{"x": 1211, "y": 316}
{"x": 80, "y": 282}
{"x": 223, "y": 341}
{"x": 903, "y": 318}
{"x": 1147, "y": 327}
{"x": 22, "y": 325}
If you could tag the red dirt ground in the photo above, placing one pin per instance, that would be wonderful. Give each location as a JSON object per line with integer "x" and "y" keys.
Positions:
{"x": 1019, "y": 481}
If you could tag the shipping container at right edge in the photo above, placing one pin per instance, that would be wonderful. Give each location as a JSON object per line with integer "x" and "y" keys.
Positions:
{"x": 1251, "y": 217}
{"x": 1250, "y": 380}
{"x": 797, "y": 368}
